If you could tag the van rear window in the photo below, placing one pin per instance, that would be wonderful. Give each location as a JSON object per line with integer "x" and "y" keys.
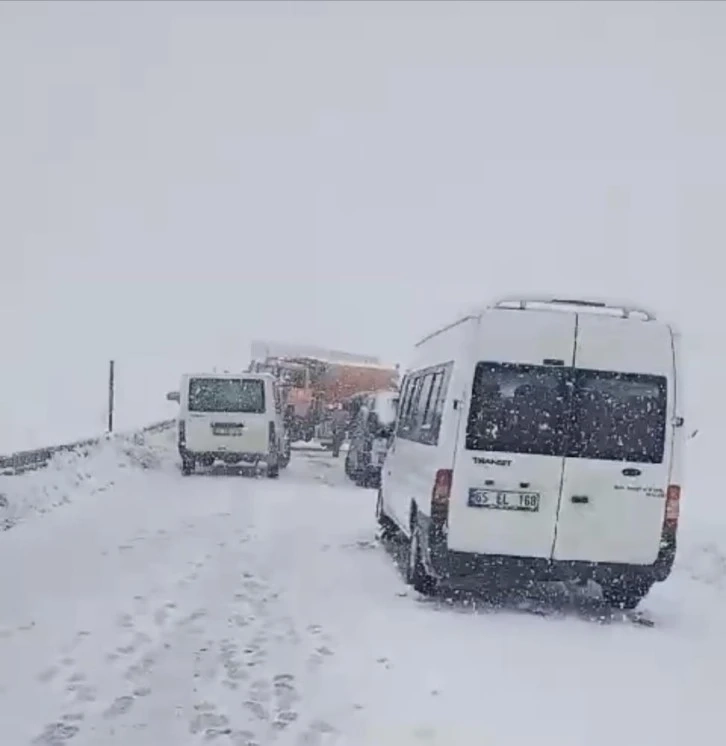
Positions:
{"x": 517, "y": 409}
{"x": 245, "y": 395}
{"x": 618, "y": 417}
{"x": 576, "y": 412}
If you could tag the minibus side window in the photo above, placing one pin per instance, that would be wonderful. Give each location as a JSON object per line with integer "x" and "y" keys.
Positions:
{"x": 431, "y": 423}
{"x": 427, "y": 381}
{"x": 408, "y": 425}
{"x": 403, "y": 403}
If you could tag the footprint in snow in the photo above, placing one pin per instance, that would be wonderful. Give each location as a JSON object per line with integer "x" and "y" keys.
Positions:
{"x": 126, "y": 621}
{"x": 141, "y": 668}
{"x": 257, "y": 709}
{"x": 73, "y": 717}
{"x": 161, "y": 615}
{"x": 208, "y": 721}
{"x": 286, "y": 694}
{"x": 315, "y": 733}
{"x": 118, "y": 707}
{"x": 243, "y": 738}
{"x": 56, "y": 733}
{"x": 48, "y": 675}
{"x": 283, "y": 719}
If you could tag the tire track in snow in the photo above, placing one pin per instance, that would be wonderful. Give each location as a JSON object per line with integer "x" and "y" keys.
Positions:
{"x": 222, "y": 643}
{"x": 119, "y": 651}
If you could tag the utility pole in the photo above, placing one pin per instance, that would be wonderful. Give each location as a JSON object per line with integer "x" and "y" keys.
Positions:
{"x": 110, "y": 395}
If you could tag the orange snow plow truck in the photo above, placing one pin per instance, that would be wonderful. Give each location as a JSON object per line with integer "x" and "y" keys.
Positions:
{"x": 314, "y": 381}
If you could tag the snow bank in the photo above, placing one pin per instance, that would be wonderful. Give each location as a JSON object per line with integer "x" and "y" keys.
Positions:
{"x": 302, "y": 445}
{"x": 74, "y": 475}
{"x": 702, "y": 531}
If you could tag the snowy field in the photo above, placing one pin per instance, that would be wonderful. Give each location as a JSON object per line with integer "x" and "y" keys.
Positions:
{"x": 36, "y": 416}
{"x": 64, "y": 398}
{"x": 139, "y": 607}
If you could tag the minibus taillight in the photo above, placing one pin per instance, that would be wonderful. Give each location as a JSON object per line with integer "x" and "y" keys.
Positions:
{"x": 673, "y": 506}
{"x": 440, "y": 495}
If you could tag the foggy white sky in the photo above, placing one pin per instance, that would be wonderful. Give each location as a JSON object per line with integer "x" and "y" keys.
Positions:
{"x": 178, "y": 178}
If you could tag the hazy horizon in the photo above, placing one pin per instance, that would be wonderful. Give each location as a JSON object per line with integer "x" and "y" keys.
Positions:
{"x": 181, "y": 178}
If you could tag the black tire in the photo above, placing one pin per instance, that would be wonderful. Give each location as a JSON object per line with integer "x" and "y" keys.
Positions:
{"x": 369, "y": 478}
{"x": 385, "y": 524}
{"x": 355, "y": 475}
{"x": 273, "y": 470}
{"x": 416, "y": 574}
{"x": 285, "y": 458}
{"x": 187, "y": 467}
{"x": 626, "y": 592}
{"x": 360, "y": 477}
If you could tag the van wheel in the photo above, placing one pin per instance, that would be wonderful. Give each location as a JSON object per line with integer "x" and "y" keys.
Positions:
{"x": 360, "y": 474}
{"x": 273, "y": 470}
{"x": 187, "y": 467}
{"x": 370, "y": 479}
{"x": 416, "y": 574}
{"x": 353, "y": 473}
{"x": 627, "y": 592}
{"x": 361, "y": 478}
{"x": 386, "y": 525}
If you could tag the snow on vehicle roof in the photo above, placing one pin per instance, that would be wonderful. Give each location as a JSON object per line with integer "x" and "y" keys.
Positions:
{"x": 352, "y": 363}
{"x": 611, "y": 306}
{"x": 261, "y": 350}
{"x": 228, "y": 374}
{"x": 606, "y": 306}
{"x": 294, "y": 360}
{"x": 384, "y": 405}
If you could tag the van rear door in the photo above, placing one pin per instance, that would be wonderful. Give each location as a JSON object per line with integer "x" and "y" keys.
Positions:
{"x": 508, "y": 466}
{"x": 227, "y": 415}
{"x": 619, "y": 442}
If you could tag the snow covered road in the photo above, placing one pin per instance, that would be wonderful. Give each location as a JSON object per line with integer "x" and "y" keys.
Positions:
{"x": 170, "y": 610}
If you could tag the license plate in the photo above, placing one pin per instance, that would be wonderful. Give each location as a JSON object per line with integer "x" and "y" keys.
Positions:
{"x": 504, "y": 500}
{"x": 227, "y": 431}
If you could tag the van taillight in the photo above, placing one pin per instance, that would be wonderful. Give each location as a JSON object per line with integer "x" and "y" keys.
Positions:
{"x": 673, "y": 506}
{"x": 440, "y": 495}
{"x": 182, "y": 432}
{"x": 271, "y": 436}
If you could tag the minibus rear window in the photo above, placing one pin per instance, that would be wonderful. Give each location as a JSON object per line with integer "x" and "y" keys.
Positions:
{"x": 573, "y": 412}
{"x": 244, "y": 395}
{"x": 517, "y": 409}
{"x": 618, "y": 417}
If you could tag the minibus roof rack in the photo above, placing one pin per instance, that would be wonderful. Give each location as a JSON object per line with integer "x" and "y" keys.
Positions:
{"x": 624, "y": 309}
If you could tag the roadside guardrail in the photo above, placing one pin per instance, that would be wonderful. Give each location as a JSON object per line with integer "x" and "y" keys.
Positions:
{"x": 22, "y": 461}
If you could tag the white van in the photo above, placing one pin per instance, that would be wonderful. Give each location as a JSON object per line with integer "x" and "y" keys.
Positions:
{"x": 236, "y": 419}
{"x": 540, "y": 439}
